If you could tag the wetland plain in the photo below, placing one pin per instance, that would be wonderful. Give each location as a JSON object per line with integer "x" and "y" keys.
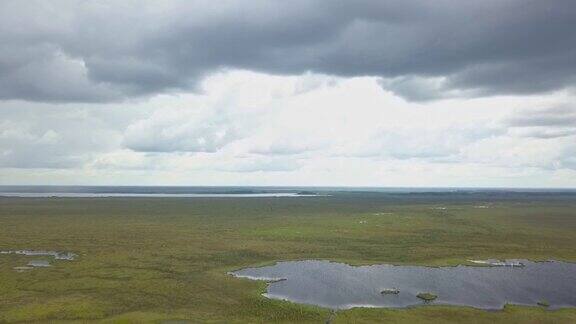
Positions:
{"x": 168, "y": 259}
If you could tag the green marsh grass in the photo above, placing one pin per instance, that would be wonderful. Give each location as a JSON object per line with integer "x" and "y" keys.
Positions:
{"x": 149, "y": 260}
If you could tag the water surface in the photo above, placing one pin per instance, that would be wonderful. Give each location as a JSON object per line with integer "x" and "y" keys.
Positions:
{"x": 478, "y": 195}
{"x": 39, "y": 263}
{"x": 341, "y": 286}
{"x": 137, "y": 195}
{"x": 57, "y": 255}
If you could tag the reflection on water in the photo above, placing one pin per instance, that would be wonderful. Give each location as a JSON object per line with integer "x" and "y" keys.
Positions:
{"x": 341, "y": 286}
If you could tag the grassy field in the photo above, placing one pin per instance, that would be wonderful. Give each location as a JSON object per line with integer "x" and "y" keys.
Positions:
{"x": 166, "y": 259}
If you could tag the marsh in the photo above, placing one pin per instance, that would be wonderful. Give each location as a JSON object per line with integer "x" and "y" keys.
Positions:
{"x": 152, "y": 259}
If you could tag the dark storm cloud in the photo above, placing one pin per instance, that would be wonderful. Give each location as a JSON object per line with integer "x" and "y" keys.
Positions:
{"x": 108, "y": 50}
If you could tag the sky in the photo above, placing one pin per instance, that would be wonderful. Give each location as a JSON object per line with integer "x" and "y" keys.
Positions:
{"x": 413, "y": 93}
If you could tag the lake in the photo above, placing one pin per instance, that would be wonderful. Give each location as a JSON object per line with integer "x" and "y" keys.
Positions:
{"x": 341, "y": 286}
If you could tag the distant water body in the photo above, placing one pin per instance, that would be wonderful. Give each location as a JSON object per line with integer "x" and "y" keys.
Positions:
{"x": 247, "y": 192}
{"x": 151, "y": 191}
{"x": 136, "y": 195}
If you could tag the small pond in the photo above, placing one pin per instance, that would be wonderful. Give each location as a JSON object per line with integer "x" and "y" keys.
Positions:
{"x": 39, "y": 263}
{"x": 341, "y": 286}
{"x": 57, "y": 255}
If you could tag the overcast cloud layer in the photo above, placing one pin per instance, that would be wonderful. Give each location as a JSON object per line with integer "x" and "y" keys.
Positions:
{"x": 100, "y": 51}
{"x": 386, "y": 93}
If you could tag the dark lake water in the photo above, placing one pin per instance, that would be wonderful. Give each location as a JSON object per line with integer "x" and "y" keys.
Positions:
{"x": 341, "y": 286}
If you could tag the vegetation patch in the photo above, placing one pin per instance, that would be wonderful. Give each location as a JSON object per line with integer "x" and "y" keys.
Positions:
{"x": 390, "y": 291}
{"x": 543, "y": 303}
{"x": 426, "y": 296}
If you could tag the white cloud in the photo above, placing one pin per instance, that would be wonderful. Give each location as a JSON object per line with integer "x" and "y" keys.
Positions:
{"x": 182, "y": 130}
{"x": 247, "y": 128}
{"x": 258, "y": 164}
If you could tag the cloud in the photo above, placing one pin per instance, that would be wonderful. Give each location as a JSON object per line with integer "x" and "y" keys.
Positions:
{"x": 181, "y": 130}
{"x": 124, "y": 160}
{"x": 558, "y": 116}
{"x": 250, "y": 128}
{"x": 52, "y": 76}
{"x": 259, "y": 164}
{"x": 288, "y": 142}
{"x": 422, "y": 89}
{"x": 52, "y": 51}
{"x": 545, "y": 123}
{"x": 231, "y": 107}
{"x": 53, "y": 141}
{"x": 543, "y": 132}
{"x": 520, "y": 153}
{"x": 434, "y": 144}
{"x": 417, "y": 88}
